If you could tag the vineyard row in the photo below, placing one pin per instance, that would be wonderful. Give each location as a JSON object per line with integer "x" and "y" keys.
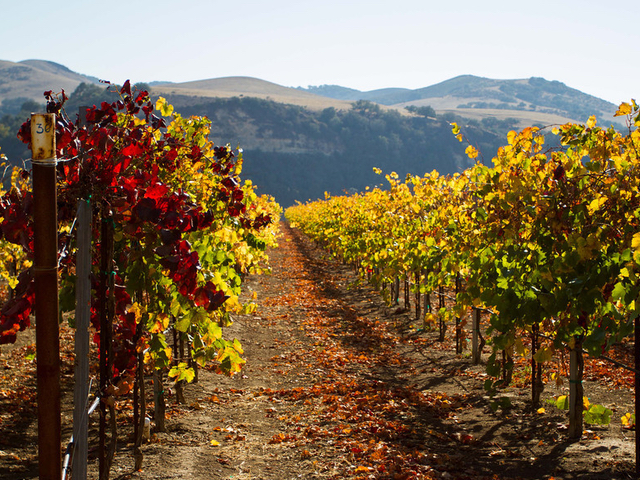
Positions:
{"x": 546, "y": 238}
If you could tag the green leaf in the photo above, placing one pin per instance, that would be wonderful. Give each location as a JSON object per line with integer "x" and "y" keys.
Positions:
{"x": 183, "y": 324}
{"x": 544, "y": 355}
{"x": 493, "y": 367}
{"x": 598, "y": 414}
{"x": 618, "y": 291}
{"x": 67, "y": 298}
{"x": 176, "y": 308}
{"x": 214, "y": 332}
{"x": 562, "y": 402}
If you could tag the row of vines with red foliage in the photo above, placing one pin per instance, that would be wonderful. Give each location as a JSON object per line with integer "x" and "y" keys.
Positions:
{"x": 175, "y": 231}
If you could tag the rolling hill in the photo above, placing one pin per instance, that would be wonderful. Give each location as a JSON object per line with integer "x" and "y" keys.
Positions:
{"x": 29, "y": 79}
{"x": 228, "y": 87}
{"x": 300, "y": 142}
{"x": 527, "y": 101}
{"x": 531, "y": 101}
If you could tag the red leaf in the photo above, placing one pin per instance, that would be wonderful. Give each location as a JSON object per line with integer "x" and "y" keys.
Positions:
{"x": 126, "y": 88}
{"x": 156, "y": 191}
{"x": 132, "y": 150}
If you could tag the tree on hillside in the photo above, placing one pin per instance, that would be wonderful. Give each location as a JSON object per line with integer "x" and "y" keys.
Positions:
{"x": 425, "y": 111}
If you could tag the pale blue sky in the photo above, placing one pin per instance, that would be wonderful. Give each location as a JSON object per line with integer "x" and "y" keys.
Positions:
{"x": 593, "y": 46}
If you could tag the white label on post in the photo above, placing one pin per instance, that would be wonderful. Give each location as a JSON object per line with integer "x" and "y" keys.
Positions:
{"x": 43, "y": 136}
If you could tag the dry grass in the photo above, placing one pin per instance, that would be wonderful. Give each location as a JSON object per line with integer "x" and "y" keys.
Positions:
{"x": 449, "y": 104}
{"x": 525, "y": 118}
{"x": 250, "y": 87}
{"x": 32, "y": 78}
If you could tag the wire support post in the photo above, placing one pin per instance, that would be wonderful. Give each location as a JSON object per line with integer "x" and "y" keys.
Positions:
{"x": 45, "y": 226}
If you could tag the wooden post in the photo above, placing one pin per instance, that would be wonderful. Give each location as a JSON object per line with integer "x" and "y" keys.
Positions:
{"x": 537, "y": 385}
{"x": 395, "y": 292}
{"x": 407, "y": 292}
{"x": 476, "y": 351}
{"x": 576, "y": 391}
{"x": 142, "y": 412}
{"x": 106, "y": 360}
{"x": 535, "y": 398}
{"x": 458, "y": 327}
{"x": 417, "y": 296}
{"x": 83, "y": 319}
{"x": 427, "y": 308}
{"x": 636, "y": 342}
{"x": 45, "y": 220}
{"x": 159, "y": 401}
{"x": 441, "y": 305}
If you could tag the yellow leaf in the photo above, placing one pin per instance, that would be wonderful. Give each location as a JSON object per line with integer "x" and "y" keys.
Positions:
{"x": 623, "y": 109}
{"x": 165, "y": 108}
{"x": 628, "y": 419}
{"x": 562, "y": 402}
{"x": 430, "y": 319}
{"x": 596, "y": 204}
{"x": 471, "y": 152}
{"x": 214, "y": 443}
{"x": 232, "y": 304}
{"x": 541, "y": 410}
{"x": 591, "y": 122}
{"x": 160, "y": 323}
{"x": 635, "y": 241}
{"x": 137, "y": 311}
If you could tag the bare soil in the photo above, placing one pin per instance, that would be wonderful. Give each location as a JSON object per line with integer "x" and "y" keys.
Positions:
{"x": 336, "y": 385}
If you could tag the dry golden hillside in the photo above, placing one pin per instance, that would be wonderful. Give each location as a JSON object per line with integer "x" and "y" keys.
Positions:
{"x": 249, "y": 87}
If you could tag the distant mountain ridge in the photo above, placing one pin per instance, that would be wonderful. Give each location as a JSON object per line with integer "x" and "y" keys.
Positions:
{"x": 529, "y": 101}
{"x": 469, "y": 94}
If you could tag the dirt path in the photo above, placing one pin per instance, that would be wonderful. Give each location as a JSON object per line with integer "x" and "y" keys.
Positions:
{"x": 339, "y": 386}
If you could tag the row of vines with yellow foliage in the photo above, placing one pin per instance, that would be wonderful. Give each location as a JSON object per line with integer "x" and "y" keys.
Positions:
{"x": 546, "y": 239}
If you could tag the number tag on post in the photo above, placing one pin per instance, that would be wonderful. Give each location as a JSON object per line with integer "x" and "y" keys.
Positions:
{"x": 43, "y": 137}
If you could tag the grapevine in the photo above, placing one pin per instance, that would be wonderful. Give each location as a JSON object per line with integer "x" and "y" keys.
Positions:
{"x": 175, "y": 230}
{"x": 546, "y": 239}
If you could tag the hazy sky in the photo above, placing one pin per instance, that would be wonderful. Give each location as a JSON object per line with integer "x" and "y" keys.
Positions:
{"x": 593, "y": 46}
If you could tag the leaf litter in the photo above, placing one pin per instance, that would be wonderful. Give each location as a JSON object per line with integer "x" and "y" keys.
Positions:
{"x": 337, "y": 385}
